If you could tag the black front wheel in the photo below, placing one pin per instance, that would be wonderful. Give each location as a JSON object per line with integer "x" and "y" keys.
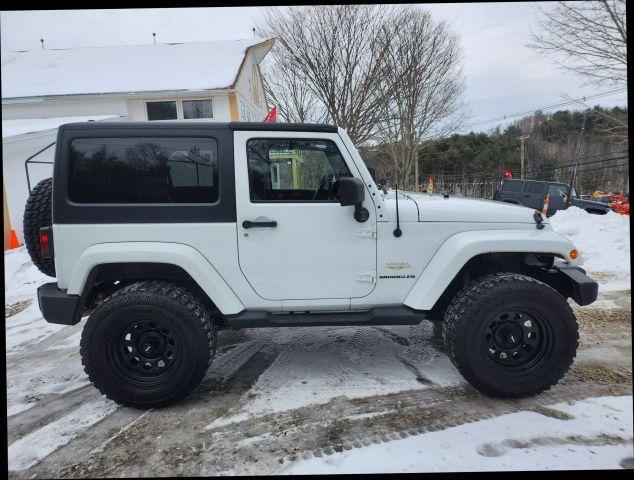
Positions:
{"x": 510, "y": 335}
{"x": 148, "y": 345}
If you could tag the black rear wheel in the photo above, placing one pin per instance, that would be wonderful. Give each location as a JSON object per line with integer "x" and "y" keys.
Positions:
{"x": 510, "y": 335}
{"x": 148, "y": 345}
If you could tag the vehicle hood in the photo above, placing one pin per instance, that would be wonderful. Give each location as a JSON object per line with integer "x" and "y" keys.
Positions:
{"x": 590, "y": 203}
{"x": 436, "y": 208}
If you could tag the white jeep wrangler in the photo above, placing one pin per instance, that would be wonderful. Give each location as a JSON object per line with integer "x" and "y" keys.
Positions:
{"x": 166, "y": 232}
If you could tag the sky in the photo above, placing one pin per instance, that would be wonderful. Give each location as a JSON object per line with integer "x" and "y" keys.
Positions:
{"x": 502, "y": 75}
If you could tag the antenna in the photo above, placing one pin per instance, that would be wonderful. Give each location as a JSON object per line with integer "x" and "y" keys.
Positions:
{"x": 397, "y": 231}
{"x": 253, "y": 32}
{"x": 154, "y": 36}
{"x": 42, "y": 42}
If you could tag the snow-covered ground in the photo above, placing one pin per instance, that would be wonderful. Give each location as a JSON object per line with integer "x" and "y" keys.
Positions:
{"x": 299, "y": 380}
{"x": 589, "y": 434}
{"x": 21, "y": 279}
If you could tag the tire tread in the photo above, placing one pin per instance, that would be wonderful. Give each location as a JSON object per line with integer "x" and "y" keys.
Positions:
{"x": 472, "y": 298}
{"x": 161, "y": 294}
{"x": 38, "y": 213}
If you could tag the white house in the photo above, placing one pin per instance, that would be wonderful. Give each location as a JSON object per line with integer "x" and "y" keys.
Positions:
{"x": 42, "y": 89}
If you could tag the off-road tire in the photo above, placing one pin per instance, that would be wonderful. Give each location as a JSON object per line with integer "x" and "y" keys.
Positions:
{"x": 38, "y": 213}
{"x": 467, "y": 324}
{"x": 175, "y": 310}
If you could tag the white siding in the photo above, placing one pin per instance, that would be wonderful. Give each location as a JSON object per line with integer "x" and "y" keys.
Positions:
{"x": 15, "y": 151}
{"x": 63, "y": 108}
{"x": 138, "y": 112}
{"x": 248, "y": 110}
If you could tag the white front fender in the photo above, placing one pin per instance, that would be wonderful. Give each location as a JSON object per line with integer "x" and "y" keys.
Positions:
{"x": 458, "y": 249}
{"x": 184, "y": 256}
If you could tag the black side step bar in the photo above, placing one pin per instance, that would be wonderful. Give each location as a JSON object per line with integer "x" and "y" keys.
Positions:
{"x": 374, "y": 316}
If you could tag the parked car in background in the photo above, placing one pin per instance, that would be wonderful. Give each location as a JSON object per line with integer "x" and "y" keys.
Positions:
{"x": 532, "y": 194}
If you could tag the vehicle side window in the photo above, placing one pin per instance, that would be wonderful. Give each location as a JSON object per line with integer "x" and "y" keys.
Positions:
{"x": 294, "y": 170}
{"x": 532, "y": 187}
{"x": 143, "y": 170}
{"x": 557, "y": 191}
{"x": 512, "y": 186}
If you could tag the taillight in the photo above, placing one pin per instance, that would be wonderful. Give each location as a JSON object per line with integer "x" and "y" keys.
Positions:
{"x": 46, "y": 242}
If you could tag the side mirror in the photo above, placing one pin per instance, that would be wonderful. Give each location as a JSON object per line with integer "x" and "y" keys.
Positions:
{"x": 352, "y": 192}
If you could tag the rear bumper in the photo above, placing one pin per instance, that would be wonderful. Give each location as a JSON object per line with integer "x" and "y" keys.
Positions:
{"x": 581, "y": 287}
{"x": 57, "y": 306}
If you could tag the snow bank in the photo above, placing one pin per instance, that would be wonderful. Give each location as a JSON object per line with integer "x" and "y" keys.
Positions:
{"x": 603, "y": 242}
{"x": 597, "y": 434}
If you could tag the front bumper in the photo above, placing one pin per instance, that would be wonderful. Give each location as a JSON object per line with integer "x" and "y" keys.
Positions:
{"x": 57, "y": 306}
{"x": 582, "y": 288}
{"x": 571, "y": 282}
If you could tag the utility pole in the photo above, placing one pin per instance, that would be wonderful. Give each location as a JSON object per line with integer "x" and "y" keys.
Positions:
{"x": 573, "y": 175}
{"x": 522, "y": 138}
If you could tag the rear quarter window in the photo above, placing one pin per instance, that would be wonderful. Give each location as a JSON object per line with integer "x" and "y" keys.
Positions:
{"x": 143, "y": 170}
{"x": 532, "y": 187}
{"x": 512, "y": 186}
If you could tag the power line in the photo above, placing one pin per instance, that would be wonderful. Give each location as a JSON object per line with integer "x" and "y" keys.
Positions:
{"x": 547, "y": 107}
{"x": 445, "y": 153}
{"x": 516, "y": 172}
{"x": 570, "y": 165}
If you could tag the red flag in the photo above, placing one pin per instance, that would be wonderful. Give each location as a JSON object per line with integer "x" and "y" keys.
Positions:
{"x": 507, "y": 173}
{"x": 271, "y": 116}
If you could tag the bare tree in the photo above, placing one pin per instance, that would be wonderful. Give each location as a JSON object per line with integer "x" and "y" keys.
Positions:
{"x": 285, "y": 86}
{"x": 588, "y": 38}
{"x": 425, "y": 83}
{"x": 337, "y": 52}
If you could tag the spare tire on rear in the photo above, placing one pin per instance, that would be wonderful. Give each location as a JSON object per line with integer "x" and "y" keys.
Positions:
{"x": 38, "y": 213}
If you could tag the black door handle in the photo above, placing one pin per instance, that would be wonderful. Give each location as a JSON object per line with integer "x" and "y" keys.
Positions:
{"x": 250, "y": 224}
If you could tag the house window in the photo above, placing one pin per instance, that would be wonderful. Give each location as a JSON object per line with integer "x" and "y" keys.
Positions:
{"x": 162, "y": 110}
{"x": 197, "y": 109}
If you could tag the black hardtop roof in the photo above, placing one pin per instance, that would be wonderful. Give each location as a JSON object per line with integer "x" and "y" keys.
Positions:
{"x": 259, "y": 126}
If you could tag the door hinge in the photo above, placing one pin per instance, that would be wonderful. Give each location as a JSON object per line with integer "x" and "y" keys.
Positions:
{"x": 366, "y": 233}
{"x": 368, "y": 276}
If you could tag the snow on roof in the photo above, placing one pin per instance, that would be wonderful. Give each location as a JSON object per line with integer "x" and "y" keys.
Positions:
{"x": 134, "y": 68}
{"x": 22, "y": 126}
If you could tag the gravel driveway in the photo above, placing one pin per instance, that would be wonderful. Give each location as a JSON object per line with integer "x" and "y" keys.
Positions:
{"x": 297, "y": 400}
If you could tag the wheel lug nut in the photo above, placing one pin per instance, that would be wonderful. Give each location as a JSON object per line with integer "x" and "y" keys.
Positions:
{"x": 528, "y": 324}
{"x": 502, "y": 355}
